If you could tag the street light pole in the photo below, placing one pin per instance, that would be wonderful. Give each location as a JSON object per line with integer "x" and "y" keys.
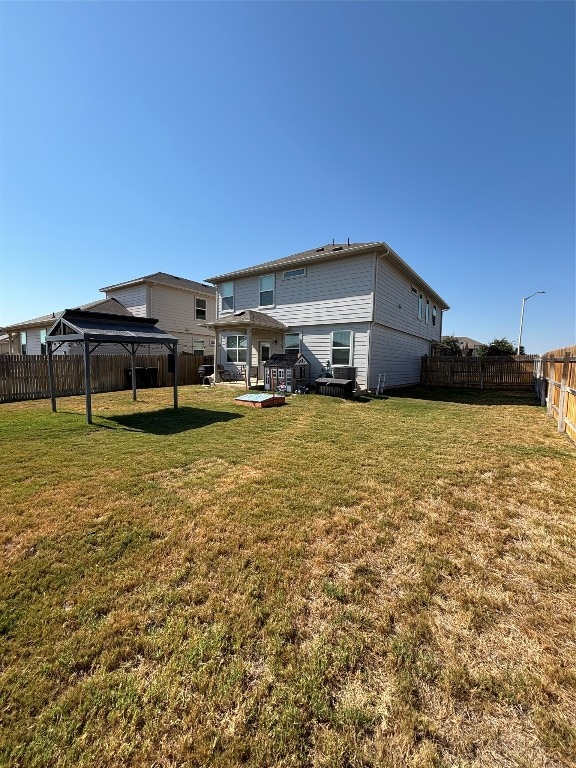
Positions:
{"x": 524, "y": 300}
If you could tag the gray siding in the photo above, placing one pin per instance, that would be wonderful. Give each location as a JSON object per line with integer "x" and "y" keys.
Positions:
{"x": 337, "y": 291}
{"x": 396, "y": 306}
{"x": 132, "y": 296}
{"x": 316, "y": 347}
{"x": 396, "y": 354}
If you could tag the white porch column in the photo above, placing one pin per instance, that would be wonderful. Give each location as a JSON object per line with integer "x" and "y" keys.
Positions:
{"x": 248, "y": 356}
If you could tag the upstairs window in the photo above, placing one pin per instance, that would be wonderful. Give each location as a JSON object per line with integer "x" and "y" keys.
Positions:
{"x": 236, "y": 349}
{"x": 43, "y": 341}
{"x": 420, "y": 306}
{"x": 227, "y": 296}
{"x": 292, "y": 341}
{"x": 267, "y": 290}
{"x": 427, "y": 312}
{"x": 434, "y": 313}
{"x": 342, "y": 348}
{"x": 300, "y": 272}
{"x": 200, "y": 309}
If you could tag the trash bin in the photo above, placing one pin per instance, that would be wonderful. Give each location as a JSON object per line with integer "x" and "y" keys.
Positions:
{"x": 145, "y": 377}
{"x": 335, "y": 387}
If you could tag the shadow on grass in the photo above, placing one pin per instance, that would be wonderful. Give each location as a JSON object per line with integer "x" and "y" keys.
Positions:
{"x": 467, "y": 396}
{"x": 170, "y": 421}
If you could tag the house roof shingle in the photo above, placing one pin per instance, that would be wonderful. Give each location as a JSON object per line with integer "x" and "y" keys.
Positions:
{"x": 163, "y": 278}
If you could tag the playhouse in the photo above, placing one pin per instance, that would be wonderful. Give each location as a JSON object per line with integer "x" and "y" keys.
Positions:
{"x": 286, "y": 372}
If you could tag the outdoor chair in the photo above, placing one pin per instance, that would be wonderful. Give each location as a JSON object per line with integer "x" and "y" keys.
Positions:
{"x": 226, "y": 375}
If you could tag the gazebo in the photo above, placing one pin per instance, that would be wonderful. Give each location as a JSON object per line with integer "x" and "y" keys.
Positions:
{"x": 92, "y": 329}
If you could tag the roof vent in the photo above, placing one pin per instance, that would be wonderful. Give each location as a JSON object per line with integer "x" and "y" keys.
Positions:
{"x": 240, "y": 313}
{"x": 319, "y": 249}
{"x": 337, "y": 248}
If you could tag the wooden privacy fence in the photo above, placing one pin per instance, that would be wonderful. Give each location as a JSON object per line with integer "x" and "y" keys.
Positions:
{"x": 504, "y": 372}
{"x": 25, "y": 377}
{"x": 557, "y": 388}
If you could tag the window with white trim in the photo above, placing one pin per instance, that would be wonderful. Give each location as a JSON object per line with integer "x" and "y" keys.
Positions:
{"x": 427, "y": 311}
{"x": 341, "y": 348}
{"x": 200, "y": 309}
{"x": 227, "y": 296}
{"x": 236, "y": 349}
{"x": 420, "y": 306}
{"x": 434, "y": 313}
{"x": 292, "y": 341}
{"x": 43, "y": 341}
{"x": 23, "y": 342}
{"x": 267, "y": 290}
{"x": 198, "y": 346}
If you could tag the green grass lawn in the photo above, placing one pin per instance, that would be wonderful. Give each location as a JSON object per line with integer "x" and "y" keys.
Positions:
{"x": 385, "y": 582}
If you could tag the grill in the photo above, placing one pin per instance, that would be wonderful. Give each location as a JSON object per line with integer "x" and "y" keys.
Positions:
{"x": 204, "y": 371}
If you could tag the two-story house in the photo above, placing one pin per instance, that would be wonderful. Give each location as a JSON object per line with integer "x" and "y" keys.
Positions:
{"x": 356, "y": 305}
{"x": 182, "y": 307}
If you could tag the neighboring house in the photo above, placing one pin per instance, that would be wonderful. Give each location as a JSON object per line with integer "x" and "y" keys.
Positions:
{"x": 4, "y": 344}
{"x": 29, "y": 336}
{"x": 469, "y": 347}
{"x": 182, "y": 307}
{"x": 357, "y": 305}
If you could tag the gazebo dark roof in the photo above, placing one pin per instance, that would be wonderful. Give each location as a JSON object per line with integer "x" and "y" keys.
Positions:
{"x": 86, "y": 325}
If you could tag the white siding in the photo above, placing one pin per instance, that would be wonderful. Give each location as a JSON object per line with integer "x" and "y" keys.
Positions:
{"x": 337, "y": 291}
{"x": 132, "y": 296}
{"x": 396, "y": 354}
{"x": 33, "y": 343}
{"x": 396, "y": 306}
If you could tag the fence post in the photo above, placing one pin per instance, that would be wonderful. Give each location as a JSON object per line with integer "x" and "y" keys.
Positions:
{"x": 551, "y": 364}
{"x": 563, "y": 404}
{"x": 424, "y": 370}
{"x": 542, "y": 380}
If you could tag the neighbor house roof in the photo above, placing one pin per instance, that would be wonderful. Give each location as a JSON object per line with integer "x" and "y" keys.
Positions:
{"x": 163, "y": 278}
{"x": 465, "y": 341}
{"x": 330, "y": 252}
{"x": 101, "y": 305}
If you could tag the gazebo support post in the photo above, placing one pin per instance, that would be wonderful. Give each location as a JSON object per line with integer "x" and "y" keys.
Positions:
{"x": 176, "y": 375}
{"x": 51, "y": 377}
{"x": 87, "y": 382}
{"x": 133, "y": 363}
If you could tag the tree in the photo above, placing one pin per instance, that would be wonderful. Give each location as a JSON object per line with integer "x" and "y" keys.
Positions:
{"x": 499, "y": 347}
{"x": 452, "y": 346}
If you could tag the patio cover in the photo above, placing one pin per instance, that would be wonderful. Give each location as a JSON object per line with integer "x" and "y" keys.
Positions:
{"x": 250, "y": 320}
{"x": 247, "y": 320}
{"x": 92, "y": 329}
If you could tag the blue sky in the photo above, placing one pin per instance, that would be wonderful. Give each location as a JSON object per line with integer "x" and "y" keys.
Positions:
{"x": 196, "y": 138}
